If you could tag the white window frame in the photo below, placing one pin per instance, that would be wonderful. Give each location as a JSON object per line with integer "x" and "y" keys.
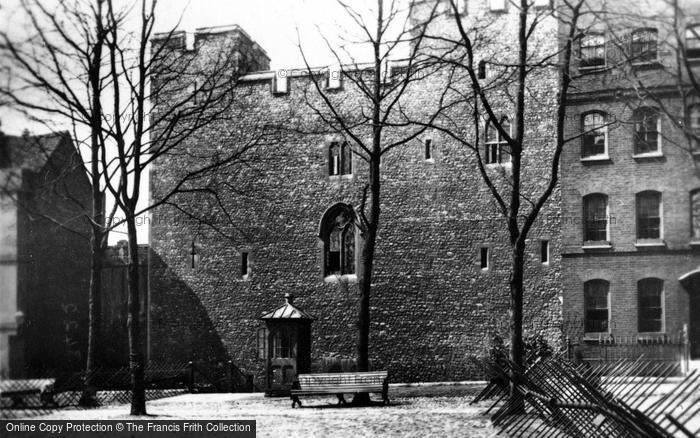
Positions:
{"x": 605, "y": 52}
{"x": 649, "y": 242}
{"x": 605, "y": 155}
{"x": 658, "y": 152}
{"x": 597, "y": 244}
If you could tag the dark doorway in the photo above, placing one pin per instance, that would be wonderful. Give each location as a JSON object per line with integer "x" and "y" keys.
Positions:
{"x": 691, "y": 283}
{"x": 694, "y": 326}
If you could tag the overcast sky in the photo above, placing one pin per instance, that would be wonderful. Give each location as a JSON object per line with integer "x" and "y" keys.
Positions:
{"x": 277, "y": 25}
{"x": 273, "y": 24}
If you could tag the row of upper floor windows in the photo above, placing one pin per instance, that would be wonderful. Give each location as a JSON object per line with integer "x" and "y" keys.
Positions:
{"x": 642, "y": 48}
{"x": 597, "y": 218}
{"x": 646, "y": 138}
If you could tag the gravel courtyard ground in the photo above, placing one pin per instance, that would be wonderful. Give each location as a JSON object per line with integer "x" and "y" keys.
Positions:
{"x": 413, "y": 412}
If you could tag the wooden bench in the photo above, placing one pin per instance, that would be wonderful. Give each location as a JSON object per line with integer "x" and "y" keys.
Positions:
{"x": 341, "y": 383}
{"x": 17, "y": 389}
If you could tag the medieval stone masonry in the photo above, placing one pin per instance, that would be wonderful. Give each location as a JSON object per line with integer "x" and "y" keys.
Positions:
{"x": 440, "y": 288}
{"x": 433, "y": 303}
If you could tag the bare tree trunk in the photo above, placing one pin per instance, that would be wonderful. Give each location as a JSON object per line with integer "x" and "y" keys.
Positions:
{"x": 517, "y": 352}
{"x": 138, "y": 395}
{"x": 97, "y": 243}
{"x": 94, "y": 317}
{"x": 365, "y": 276}
{"x": 366, "y": 268}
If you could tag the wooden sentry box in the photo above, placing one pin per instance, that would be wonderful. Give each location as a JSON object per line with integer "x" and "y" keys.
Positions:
{"x": 285, "y": 345}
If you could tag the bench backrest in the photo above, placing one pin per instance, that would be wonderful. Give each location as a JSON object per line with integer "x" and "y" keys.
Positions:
{"x": 340, "y": 379}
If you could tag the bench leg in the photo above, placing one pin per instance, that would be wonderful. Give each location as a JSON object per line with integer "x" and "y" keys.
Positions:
{"x": 341, "y": 400}
{"x": 47, "y": 400}
{"x": 385, "y": 392}
{"x": 295, "y": 401}
{"x": 18, "y": 401}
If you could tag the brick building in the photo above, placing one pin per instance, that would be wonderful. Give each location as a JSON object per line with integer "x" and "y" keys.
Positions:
{"x": 440, "y": 289}
{"x": 630, "y": 183}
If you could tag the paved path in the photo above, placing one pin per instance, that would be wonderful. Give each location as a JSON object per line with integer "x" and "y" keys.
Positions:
{"x": 446, "y": 416}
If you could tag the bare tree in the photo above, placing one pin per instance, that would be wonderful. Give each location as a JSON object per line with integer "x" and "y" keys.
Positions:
{"x": 514, "y": 89}
{"x": 55, "y": 71}
{"x": 374, "y": 123}
{"x": 103, "y": 77}
{"x": 197, "y": 92}
{"x": 652, "y": 50}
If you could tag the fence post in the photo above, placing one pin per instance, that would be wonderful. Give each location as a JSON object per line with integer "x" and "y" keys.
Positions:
{"x": 229, "y": 375}
{"x": 190, "y": 376}
{"x": 685, "y": 350}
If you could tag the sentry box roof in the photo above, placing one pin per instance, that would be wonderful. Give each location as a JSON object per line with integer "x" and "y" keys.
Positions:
{"x": 288, "y": 311}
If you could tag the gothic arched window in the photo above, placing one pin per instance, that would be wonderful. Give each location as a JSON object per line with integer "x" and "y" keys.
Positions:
{"x": 338, "y": 234}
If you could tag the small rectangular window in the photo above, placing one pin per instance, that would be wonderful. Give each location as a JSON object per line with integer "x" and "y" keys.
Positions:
{"x": 428, "y": 149}
{"x": 544, "y": 252}
{"x": 484, "y": 258}
{"x": 244, "y": 264}
{"x": 482, "y": 70}
{"x": 262, "y": 343}
{"x": 339, "y": 159}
